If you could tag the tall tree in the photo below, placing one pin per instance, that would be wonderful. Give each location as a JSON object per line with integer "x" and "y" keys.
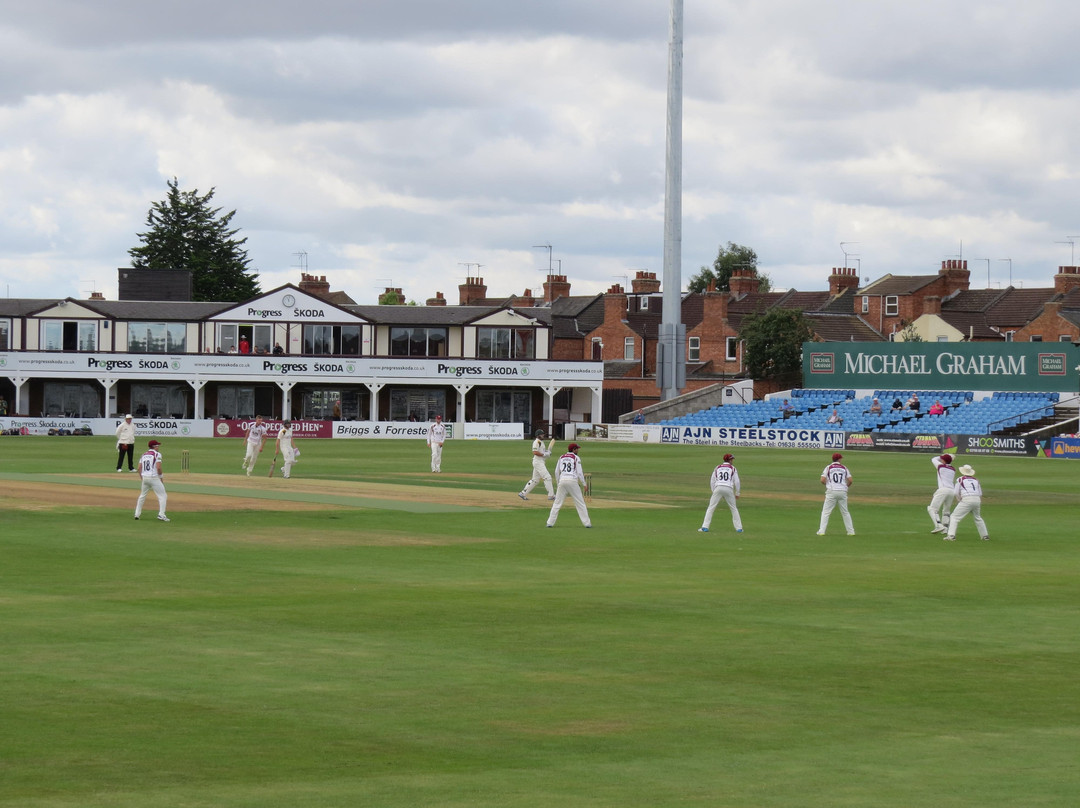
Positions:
{"x": 727, "y": 260}
{"x": 185, "y": 232}
{"x": 773, "y": 344}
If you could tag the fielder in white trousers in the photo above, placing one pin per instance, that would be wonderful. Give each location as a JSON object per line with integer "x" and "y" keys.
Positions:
{"x": 725, "y": 485}
{"x": 837, "y": 480}
{"x": 152, "y": 479}
{"x": 968, "y": 500}
{"x": 571, "y": 478}
{"x": 941, "y": 504}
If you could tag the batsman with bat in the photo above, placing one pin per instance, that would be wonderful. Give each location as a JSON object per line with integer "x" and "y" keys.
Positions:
{"x": 540, "y": 472}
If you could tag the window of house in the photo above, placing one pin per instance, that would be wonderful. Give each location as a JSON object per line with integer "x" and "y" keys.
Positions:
{"x": 866, "y": 304}
{"x": 1036, "y": 337}
{"x": 228, "y": 338}
{"x": 1065, "y": 338}
{"x": 157, "y": 337}
{"x": 643, "y": 303}
{"x": 5, "y": 335}
{"x": 597, "y": 349}
{"x": 236, "y": 401}
{"x": 69, "y": 335}
{"x": 628, "y": 348}
{"x": 505, "y": 343}
{"x": 943, "y": 338}
{"x": 71, "y": 399}
{"x": 693, "y": 349}
{"x": 406, "y": 341}
{"x": 732, "y": 349}
{"x": 332, "y": 340}
{"x": 892, "y": 305}
{"x": 1009, "y": 336}
{"x": 159, "y": 400}
{"x": 417, "y": 404}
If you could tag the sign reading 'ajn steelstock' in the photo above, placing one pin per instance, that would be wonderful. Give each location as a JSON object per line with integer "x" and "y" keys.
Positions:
{"x": 1008, "y": 366}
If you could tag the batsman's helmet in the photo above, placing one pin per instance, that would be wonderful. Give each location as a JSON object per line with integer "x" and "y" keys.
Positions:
{"x": 539, "y": 433}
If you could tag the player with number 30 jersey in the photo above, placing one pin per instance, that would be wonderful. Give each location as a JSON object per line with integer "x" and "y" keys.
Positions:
{"x": 725, "y": 485}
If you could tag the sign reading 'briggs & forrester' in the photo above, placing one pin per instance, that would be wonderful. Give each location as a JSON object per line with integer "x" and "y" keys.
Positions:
{"x": 1029, "y": 366}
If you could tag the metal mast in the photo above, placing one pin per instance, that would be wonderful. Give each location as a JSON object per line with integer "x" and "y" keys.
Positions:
{"x": 671, "y": 349}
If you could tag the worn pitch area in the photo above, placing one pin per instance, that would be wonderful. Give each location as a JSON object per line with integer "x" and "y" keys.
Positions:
{"x": 218, "y": 492}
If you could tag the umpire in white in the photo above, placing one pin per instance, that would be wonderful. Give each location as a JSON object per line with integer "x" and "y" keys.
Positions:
{"x": 571, "y": 478}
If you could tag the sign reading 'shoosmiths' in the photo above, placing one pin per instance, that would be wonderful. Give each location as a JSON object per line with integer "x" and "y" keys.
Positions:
{"x": 1007, "y": 366}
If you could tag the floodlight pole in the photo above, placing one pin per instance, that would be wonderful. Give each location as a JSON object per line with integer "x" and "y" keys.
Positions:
{"x": 671, "y": 344}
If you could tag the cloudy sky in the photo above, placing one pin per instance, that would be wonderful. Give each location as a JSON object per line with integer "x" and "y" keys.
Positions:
{"x": 404, "y": 142}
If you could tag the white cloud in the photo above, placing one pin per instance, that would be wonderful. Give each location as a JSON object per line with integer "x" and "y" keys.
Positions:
{"x": 400, "y": 140}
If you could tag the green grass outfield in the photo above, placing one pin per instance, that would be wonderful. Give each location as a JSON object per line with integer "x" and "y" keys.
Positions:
{"x": 374, "y": 652}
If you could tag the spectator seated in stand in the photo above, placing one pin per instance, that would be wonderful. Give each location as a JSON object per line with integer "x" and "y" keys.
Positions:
{"x": 875, "y": 408}
{"x": 913, "y": 403}
{"x": 786, "y": 409}
{"x": 897, "y": 404}
{"x": 835, "y": 418}
{"x": 937, "y": 408}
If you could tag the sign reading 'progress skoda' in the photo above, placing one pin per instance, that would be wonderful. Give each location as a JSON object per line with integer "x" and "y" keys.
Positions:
{"x": 1008, "y": 366}
{"x": 33, "y": 364}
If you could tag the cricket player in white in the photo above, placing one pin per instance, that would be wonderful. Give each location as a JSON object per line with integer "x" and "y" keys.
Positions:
{"x": 540, "y": 472}
{"x": 571, "y": 478}
{"x": 255, "y": 438}
{"x": 436, "y": 436}
{"x": 968, "y": 500}
{"x": 941, "y": 505}
{"x": 152, "y": 477}
{"x": 725, "y": 486}
{"x": 837, "y": 480}
{"x": 284, "y": 446}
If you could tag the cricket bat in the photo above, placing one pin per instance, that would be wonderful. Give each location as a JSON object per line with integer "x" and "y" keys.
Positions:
{"x": 272, "y": 464}
{"x": 551, "y": 443}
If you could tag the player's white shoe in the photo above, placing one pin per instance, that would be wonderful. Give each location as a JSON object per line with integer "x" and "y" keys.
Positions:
{"x": 821, "y": 533}
{"x": 522, "y": 496}
{"x": 702, "y": 530}
{"x": 938, "y": 529}
{"x": 163, "y": 518}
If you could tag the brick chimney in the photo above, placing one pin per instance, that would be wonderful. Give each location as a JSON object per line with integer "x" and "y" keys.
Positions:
{"x": 615, "y": 304}
{"x": 472, "y": 291}
{"x": 744, "y": 281}
{"x": 931, "y": 305}
{"x": 318, "y": 287}
{"x": 555, "y": 287}
{"x": 715, "y": 307}
{"x": 397, "y": 292}
{"x": 956, "y": 275}
{"x": 843, "y": 278}
{"x": 97, "y": 296}
{"x": 1067, "y": 278}
{"x": 644, "y": 283}
{"x": 438, "y": 300}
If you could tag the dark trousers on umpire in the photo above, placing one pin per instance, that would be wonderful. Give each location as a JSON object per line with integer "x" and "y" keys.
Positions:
{"x": 129, "y": 450}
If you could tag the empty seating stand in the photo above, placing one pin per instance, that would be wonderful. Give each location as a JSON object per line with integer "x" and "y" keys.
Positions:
{"x": 812, "y": 408}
